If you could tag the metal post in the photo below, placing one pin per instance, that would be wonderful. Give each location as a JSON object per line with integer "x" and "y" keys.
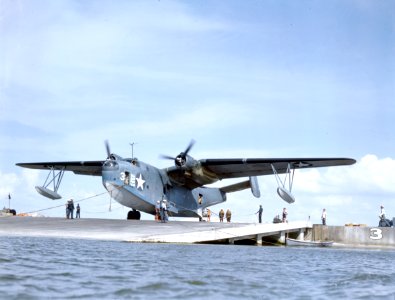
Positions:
{"x": 132, "y": 144}
{"x": 301, "y": 234}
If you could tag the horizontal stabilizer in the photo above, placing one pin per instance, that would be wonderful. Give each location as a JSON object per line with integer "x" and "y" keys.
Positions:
{"x": 251, "y": 183}
{"x": 236, "y": 187}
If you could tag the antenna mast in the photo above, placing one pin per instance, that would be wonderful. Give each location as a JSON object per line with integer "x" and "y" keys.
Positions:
{"x": 132, "y": 144}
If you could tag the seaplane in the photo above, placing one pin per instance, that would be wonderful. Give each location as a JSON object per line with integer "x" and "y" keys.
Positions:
{"x": 139, "y": 185}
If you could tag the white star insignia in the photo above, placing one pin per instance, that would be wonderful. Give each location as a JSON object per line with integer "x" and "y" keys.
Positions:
{"x": 140, "y": 182}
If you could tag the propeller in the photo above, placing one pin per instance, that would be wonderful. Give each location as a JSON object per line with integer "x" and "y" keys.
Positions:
{"x": 180, "y": 159}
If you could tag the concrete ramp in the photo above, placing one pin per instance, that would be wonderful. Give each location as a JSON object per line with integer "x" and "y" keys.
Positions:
{"x": 231, "y": 234}
{"x": 150, "y": 231}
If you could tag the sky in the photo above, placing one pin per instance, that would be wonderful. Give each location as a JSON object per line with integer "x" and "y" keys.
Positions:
{"x": 244, "y": 79}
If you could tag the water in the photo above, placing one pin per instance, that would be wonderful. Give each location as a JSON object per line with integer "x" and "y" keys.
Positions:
{"x": 48, "y": 268}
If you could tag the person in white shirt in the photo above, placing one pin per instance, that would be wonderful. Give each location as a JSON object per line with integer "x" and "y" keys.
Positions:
{"x": 382, "y": 213}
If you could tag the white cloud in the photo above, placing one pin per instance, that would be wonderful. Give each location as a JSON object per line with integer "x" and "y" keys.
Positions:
{"x": 370, "y": 175}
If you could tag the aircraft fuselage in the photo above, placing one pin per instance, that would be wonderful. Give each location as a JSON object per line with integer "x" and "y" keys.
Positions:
{"x": 138, "y": 185}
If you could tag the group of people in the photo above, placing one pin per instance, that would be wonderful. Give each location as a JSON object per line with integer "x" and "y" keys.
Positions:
{"x": 276, "y": 219}
{"x": 384, "y": 222}
{"x": 70, "y": 210}
{"x": 222, "y": 214}
{"x": 161, "y": 211}
{"x": 161, "y": 214}
{"x": 207, "y": 212}
{"x": 284, "y": 218}
{"x": 228, "y": 215}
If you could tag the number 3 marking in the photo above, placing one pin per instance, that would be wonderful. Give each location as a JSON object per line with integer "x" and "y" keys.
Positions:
{"x": 376, "y": 234}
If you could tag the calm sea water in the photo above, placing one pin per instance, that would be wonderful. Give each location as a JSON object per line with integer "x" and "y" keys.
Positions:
{"x": 47, "y": 268}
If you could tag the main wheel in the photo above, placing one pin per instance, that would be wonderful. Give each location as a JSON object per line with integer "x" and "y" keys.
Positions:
{"x": 134, "y": 215}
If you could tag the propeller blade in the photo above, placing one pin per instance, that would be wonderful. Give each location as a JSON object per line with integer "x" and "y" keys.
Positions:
{"x": 191, "y": 143}
{"x": 107, "y": 148}
{"x": 167, "y": 157}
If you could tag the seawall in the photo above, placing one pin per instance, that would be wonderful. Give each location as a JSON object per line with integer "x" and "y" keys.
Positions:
{"x": 356, "y": 236}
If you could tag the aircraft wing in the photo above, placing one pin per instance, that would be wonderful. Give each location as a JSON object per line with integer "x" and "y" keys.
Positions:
{"x": 243, "y": 167}
{"x": 93, "y": 168}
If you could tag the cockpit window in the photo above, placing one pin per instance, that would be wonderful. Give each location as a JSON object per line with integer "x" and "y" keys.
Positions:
{"x": 133, "y": 161}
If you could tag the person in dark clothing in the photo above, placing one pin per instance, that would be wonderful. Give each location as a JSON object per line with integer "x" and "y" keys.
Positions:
{"x": 67, "y": 210}
{"x": 78, "y": 211}
{"x": 221, "y": 215}
{"x": 71, "y": 208}
{"x": 259, "y": 212}
{"x": 323, "y": 217}
{"x": 228, "y": 215}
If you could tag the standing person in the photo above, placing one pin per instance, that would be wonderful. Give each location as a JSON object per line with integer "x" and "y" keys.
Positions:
{"x": 382, "y": 213}
{"x": 383, "y": 221}
{"x": 200, "y": 210}
{"x": 228, "y": 215}
{"x": 221, "y": 215}
{"x": 208, "y": 215}
{"x": 323, "y": 217}
{"x": 259, "y": 212}
{"x": 163, "y": 211}
{"x": 71, "y": 208}
{"x": 77, "y": 215}
{"x": 285, "y": 215}
{"x": 157, "y": 211}
{"x": 67, "y": 210}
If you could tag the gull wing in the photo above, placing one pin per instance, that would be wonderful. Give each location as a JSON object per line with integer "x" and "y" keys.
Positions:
{"x": 93, "y": 168}
{"x": 243, "y": 167}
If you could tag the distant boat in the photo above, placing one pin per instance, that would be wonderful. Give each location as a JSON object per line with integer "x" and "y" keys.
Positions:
{"x": 308, "y": 243}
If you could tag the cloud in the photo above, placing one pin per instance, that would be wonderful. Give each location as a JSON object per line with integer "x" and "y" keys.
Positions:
{"x": 369, "y": 175}
{"x": 99, "y": 40}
